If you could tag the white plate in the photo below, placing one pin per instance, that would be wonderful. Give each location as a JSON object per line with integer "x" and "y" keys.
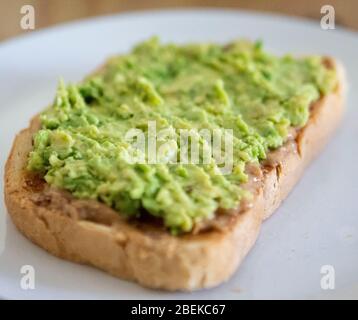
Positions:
{"x": 317, "y": 225}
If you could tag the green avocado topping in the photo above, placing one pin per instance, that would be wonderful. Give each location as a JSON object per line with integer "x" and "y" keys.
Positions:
{"x": 82, "y": 145}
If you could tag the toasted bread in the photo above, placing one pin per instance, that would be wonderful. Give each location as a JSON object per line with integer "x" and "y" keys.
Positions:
{"x": 89, "y": 232}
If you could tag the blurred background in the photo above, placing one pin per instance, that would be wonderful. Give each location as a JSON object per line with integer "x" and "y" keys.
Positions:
{"x": 51, "y": 12}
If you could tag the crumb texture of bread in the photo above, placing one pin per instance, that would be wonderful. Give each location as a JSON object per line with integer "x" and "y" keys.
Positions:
{"x": 154, "y": 258}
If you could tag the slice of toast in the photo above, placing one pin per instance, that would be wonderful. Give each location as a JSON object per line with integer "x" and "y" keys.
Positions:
{"x": 89, "y": 232}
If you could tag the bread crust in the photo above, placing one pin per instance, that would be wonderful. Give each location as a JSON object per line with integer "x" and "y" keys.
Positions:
{"x": 154, "y": 258}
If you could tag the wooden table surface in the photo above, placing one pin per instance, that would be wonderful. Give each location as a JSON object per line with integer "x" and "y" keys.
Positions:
{"x": 50, "y": 12}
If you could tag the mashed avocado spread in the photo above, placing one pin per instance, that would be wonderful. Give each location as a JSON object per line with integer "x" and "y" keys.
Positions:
{"x": 81, "y": 146}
